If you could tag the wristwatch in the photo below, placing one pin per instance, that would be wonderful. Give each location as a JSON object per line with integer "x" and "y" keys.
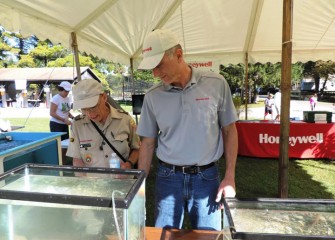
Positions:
{"x": 131, "y": 163}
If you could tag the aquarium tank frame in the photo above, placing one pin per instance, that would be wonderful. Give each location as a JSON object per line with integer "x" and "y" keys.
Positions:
{"x": 124, "y": 203}
{"x": 319, "y": 205}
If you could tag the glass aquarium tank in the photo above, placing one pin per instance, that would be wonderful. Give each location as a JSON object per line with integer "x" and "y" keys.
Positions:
{"x": 259, "y": 219}
{"x": 63, "y": 202}
{"x": 17, "y": 148}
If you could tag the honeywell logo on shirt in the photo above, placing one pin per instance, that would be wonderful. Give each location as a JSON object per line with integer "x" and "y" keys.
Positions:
{"x": 202, "y": 99}
{"x": 317, "y": 138}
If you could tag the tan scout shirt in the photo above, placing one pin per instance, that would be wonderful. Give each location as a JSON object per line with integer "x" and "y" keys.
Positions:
{"x": 87, "y": 144}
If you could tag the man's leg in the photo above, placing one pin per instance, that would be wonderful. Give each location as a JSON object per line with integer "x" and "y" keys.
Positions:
{"x": 204, "y": 212}
{"x": 169, "y": 198}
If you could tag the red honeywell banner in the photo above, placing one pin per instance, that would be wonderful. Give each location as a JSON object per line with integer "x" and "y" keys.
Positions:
{"x": 306, "y": 140}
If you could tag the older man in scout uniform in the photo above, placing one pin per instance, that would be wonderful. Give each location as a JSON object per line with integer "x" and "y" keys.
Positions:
{"x": 87, "y": 147}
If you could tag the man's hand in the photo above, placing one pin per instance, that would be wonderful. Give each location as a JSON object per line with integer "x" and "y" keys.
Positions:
{"x": 125, "y": 165}
{"x": 226, "y": 189}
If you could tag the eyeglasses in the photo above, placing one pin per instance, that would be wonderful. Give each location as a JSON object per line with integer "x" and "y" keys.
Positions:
{"x": 92, "y": 109}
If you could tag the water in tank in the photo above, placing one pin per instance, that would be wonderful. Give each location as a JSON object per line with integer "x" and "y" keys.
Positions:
{"x": 56, "y": 202}
{"x": 280, "y": 218}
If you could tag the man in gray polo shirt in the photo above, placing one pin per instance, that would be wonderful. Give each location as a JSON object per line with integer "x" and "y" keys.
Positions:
{"x": 193, "y": 116}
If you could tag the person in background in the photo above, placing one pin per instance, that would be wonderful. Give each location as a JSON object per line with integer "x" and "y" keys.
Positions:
{"x": 312, "y": 101}
{"x": 19, "y": 100}
{"x": 269, "y": 102}
{"x": 86, "y": 145}
{"x": 193, "y": 116}
{"x": 60, "y": 110}
{"x": 277, "y": 100}
{"x": 5, "y": 126}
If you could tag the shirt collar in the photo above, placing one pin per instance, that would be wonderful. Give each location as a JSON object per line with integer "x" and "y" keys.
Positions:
{"x": 193, "y": 81}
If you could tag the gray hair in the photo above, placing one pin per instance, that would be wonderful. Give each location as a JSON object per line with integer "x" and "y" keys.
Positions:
{"x": 172, "y": 50}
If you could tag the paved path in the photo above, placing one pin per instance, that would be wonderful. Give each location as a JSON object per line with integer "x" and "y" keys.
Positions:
{"x": 297, "y": 107}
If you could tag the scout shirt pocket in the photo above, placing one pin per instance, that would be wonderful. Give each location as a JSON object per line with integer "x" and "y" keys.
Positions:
{"x": 120, "y": 142}
{"x": 90, "y": 152}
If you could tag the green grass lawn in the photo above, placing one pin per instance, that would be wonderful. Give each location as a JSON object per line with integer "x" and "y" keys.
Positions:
{"x": 255, "y": 178}
{"x": 31, "y": 124}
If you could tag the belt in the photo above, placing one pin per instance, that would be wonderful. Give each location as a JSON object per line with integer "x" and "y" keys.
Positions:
{"x": 187, "y": 169}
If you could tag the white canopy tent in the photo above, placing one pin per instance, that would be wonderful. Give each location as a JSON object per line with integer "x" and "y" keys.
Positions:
{"x": 222, "y": 31}
{"x": 215, "y": 31}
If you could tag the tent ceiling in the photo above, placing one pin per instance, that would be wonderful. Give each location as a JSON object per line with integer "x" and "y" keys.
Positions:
{"x": 219, "y": 30}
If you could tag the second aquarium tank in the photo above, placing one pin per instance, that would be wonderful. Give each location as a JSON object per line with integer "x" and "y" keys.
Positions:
{"x": 280, "y": 219}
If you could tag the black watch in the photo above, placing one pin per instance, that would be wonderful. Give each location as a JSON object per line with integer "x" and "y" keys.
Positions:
{"x": 131, "y": 164}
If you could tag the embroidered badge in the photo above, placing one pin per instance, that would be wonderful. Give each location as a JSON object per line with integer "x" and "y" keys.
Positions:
{"x": 88, "y": 158}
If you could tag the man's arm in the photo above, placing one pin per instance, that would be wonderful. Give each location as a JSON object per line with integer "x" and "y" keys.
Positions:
{"x": 133, "y": 158}
{"x": 146, "y": 153}
{"x": 230, "y": 139}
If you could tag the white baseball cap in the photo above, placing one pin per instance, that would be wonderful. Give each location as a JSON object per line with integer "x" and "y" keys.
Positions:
{"x": 155, "y": 45}
{"x": 86, "y": 93}
{"x": 66, "y": 85}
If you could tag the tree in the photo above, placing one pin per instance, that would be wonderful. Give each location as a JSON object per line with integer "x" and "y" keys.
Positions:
{"x": 68, "y": 61}
{"x": 41, "y": 53}
{"x": 310, "y": 71}
{"x": 256, "y": 73}
{"x": 23, "y": 44}
{"x": 102, "y": 65}
{"x": 234, "y": 75}
{"x": 26, "y": 61}
{"x": 46, "y": 52}
{"x": 325, "y": 69}
{"x": 143, "y": 80}
{"x": 297, "y": 73}
{"x": 4, "y": 51}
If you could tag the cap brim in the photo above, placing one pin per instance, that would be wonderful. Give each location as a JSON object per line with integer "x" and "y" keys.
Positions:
{"x": 86, "y": 103}
{"x": 151, "y": 62}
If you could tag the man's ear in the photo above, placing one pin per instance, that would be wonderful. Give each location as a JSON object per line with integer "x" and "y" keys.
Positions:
{"x": 104, "y": 97}
{"x": 179, "y": 54}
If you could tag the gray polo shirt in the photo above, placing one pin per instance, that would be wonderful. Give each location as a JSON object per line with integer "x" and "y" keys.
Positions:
{"x": 188, "y": 121}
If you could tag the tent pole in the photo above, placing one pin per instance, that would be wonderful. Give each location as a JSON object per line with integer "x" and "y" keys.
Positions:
{"x": 132, "y": 74}
{"x": 76, "y": 54}
{"x": 246, "y": 86}
{"x": 285, "y": 86}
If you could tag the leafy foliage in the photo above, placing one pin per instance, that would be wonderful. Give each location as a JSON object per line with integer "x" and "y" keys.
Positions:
{"x": 325, "y": 69}
{"x": 26, "y": 61}
{"x": 238, "y": 104}
{"x": 260, "y": 75}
